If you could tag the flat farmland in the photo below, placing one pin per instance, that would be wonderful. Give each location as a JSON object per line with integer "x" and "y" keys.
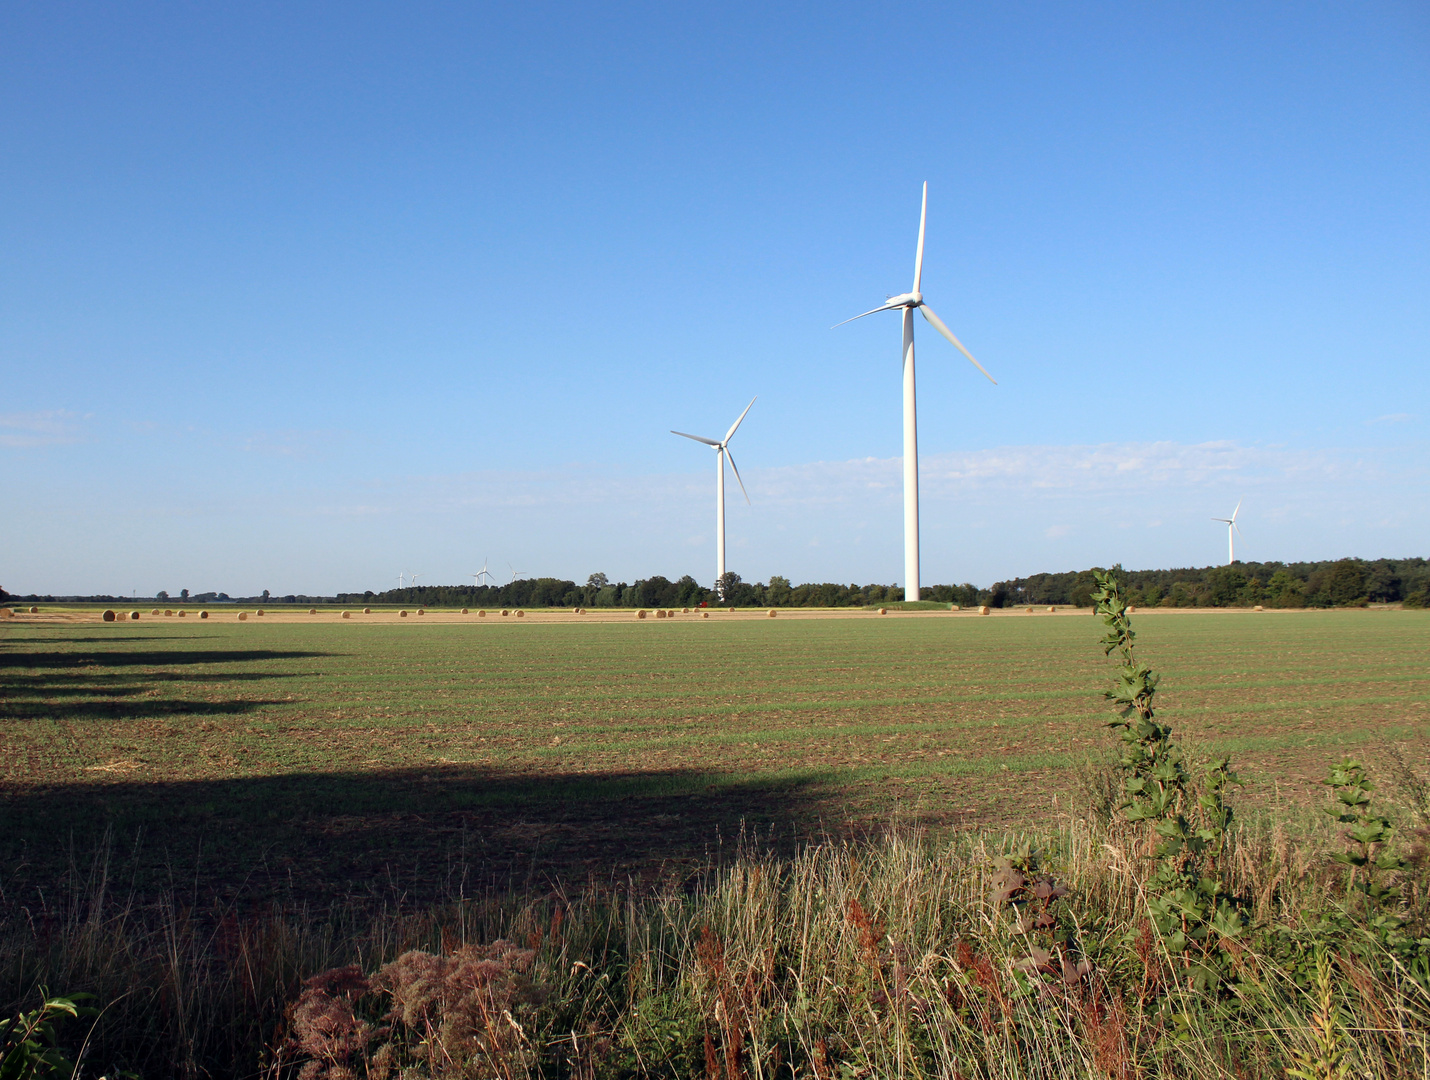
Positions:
{"x": 312, "y": 756}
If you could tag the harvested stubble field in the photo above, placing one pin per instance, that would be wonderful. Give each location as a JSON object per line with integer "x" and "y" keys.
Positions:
{"x": 306, "y": 757}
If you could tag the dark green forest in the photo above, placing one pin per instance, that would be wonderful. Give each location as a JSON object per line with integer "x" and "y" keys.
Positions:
{"x": 1338, "y": 583}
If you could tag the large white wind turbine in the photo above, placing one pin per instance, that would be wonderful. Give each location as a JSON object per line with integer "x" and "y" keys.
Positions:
{"x": 482, "y": 573}
{"x": 722, "y": 451}
{"x": 1231, "y": 527}
{"x": 908, "y": 302}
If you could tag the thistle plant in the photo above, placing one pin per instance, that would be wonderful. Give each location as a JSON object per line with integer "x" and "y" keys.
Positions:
{"x": 1188, "y": 902}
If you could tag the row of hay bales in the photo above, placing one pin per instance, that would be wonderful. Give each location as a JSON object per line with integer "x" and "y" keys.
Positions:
{"x": 9, "y": 613}
{"x": 110, "y": 615}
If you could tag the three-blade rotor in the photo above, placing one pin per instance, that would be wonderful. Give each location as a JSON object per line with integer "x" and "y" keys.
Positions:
{"x": 722, "y": 446}
{"x": 915, "y": 299}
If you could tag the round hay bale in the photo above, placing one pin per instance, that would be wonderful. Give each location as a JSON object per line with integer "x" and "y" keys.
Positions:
{"x": 347, "y": 614}
{"x": 1131, "y": 608}
{"x": 1052, "y": 607}
{"x": 481, "y": 614}
{"x": 464, "y": 611}
{"x": 402, "y": 614}
{"x": 35, "y": 609}
{"x": 660, "y": 613}
{"x": 6, "y": 613}
{"x": 134, "y": 615}
{"x": 312, "y": 611}
{"x": 984, "y": 610}
{"x": 883, "y": 611}
{"x": 367, "y": 611}
{"x": 422, "y": 611}
{"x": 260, "y": 611}
{"x": 182, "y": 613}
{"x": 521, "y": 614}
{"x": 168, "y": 613}
{"x": 732, "y": 609}
{"x": 772, "y": 613}
{"x": 504, "y": 613}
{"x": 243, "y": 616}
{"x": 1258, "y": 607}
{"x": 1030, "y": 611}
{"x": 640, "y": 614}
{"x": 705, "y": 614}
{"x": 203, "y": 614}
{"x": 953, "y": 607}
{"x": 108, "y": 615}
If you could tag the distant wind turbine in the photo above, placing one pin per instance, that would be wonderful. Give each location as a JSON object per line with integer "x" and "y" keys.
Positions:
{"x": 1231, "y": 527}
{"x": 722, "y": 452}
{"x": 399, "y": 579}
{"x": 907, "y": 302}
{"x": 480, "y": 574}
{"x": 412, "y": 580}
{"x": 515, "y": 573}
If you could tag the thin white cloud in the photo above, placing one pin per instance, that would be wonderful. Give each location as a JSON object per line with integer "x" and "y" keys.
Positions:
{"x": 1393, "y": 418}
{"x": 51, "y": 428}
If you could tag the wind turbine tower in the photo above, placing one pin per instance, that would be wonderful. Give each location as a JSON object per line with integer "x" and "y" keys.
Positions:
{"x": 907, "y": 302}
{"x": 1231, "y": 527}
{"x": 722, "y": 452}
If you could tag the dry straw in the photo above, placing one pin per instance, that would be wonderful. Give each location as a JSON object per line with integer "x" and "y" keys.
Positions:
{"x": 154, "y": 612}
{"x": 347, "y": 614}
{"x": 640, "y": 614}
{"x": 772, "y": 613}
{"x": 203, "y": 614}
{"x": 481, "y": 614}
{"x": 312, "y": 611}
{"x": 660, "y": 613}
{"x": 134, "y": 615}
{"x": 883, "y": 611}
{"x": 1052, "y": 607}
{"x": 464, "y": 611}
{"x": 521, "y": 614}
{"x": 367, "y": 611}
{"x": 36, "y": 611}
{"x": 182, "y": 613}
{"x": 168, "y": 613}
{"x": 108, "y": 615}
{"x": 421, "y": 611}
{"x": 984, "y": 610}
{"x": 243, "y": 616}
{"x": 705, "y": 614}
{"x": 504, "y": 613}
{"x": 260, "y": 611}
{"x": 402, "y": 614}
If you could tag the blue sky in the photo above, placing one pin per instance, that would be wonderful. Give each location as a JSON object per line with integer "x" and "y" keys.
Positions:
{"x": 300, "y": 296}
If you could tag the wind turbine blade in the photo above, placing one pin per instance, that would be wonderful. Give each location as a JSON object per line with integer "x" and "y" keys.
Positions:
{"x": 1238, "y": 509}
{"x": 919, "y": 258}
{"x": 738, "y": 422}
{"x": 731, "y": 458}
{"x": 871, "y": 311}
{"x": 946, "y": 332}
{"x": 1224, "y": 521}
{"x": 697, "y": 438}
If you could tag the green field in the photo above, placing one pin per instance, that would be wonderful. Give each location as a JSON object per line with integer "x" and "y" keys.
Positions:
{"x": 324, "y": 758}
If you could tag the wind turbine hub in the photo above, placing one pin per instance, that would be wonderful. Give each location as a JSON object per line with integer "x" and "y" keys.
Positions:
{"x": 908, "y": 299}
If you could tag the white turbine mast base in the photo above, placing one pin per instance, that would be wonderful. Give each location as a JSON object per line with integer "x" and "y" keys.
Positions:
{"x": 908, "y": 301}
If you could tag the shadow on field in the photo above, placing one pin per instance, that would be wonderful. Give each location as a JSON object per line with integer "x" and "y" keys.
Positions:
{"x": 94, "y": 685}
{"x": 410, "y": 835}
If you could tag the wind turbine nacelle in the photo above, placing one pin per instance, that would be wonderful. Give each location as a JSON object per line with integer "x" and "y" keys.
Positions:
{"x": 908, "y": 299}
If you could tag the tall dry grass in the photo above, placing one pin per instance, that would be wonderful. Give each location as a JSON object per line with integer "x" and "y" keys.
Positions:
{"x": 888, "y": 958}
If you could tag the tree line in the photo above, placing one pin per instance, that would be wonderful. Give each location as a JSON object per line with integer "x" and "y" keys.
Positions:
{"x": 1331, "y": 583}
